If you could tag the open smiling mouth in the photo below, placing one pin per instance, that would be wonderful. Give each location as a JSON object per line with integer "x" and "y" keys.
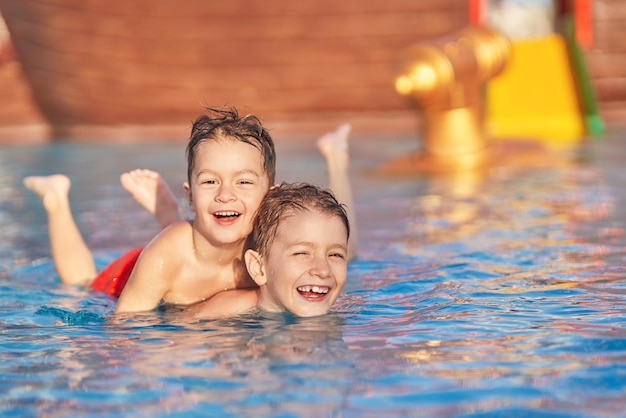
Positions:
{"x": 313, "y": 292}
{"x": 227, "y": 215}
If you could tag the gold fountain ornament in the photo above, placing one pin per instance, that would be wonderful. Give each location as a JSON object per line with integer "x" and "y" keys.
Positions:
{"x": 445, "y": 78}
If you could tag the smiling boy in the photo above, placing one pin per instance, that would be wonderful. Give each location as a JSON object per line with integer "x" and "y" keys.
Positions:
{"x": 230, "y": 168}
{"x": 298, "y": 256}
{"x": 231, "y": 165}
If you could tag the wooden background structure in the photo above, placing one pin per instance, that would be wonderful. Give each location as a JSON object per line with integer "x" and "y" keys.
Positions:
{"x": 606, "y": 58}
{"x": 140, "y": 67}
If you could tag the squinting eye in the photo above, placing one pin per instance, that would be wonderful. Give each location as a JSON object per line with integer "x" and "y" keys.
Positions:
{"x": 340, "y": 255}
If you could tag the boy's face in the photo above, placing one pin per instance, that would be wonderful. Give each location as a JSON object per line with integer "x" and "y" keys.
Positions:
{"x": 306, "y": 267}
{"x": 228, "y": 183}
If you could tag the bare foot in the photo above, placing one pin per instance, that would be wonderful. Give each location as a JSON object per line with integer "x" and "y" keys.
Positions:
{"x": 152, "y": 193}
{"x": 334, "y": 146}
{"x": 53, "y": 190}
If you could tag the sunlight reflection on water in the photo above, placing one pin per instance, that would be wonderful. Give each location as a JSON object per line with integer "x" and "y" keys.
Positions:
{"x": 494, "y": 295}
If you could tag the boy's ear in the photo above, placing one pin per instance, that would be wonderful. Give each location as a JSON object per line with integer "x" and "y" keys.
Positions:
{"x": 189, "y": 196}
{"x": 254, "y": 264}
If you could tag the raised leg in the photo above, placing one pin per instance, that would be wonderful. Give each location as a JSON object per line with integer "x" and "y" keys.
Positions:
{"x": 334, "y": 148}
{"x": 72, "y": 258}
{"x": 150, "y": 191}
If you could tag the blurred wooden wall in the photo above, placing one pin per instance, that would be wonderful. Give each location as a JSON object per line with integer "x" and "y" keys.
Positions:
{"x": 606, "y": 59}
{"x": 140, "y": 63}
{"x": 20, "y": 118}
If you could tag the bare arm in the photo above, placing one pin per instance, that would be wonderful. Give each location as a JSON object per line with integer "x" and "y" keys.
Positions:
{"x": 150, "y": 280}
{"x": 226, "y": 304}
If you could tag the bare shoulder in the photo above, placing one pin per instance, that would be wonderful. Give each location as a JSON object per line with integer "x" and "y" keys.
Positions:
{"x": 175, "y": 231}
{"x": 226, "y": 304}
{"x": 175, "y": 237}
{"x": 163, "y": 257}
{"x": 153, "y": 277}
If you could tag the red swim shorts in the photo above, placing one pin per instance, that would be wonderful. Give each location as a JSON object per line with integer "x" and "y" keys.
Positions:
{"x": 114, "y": 277}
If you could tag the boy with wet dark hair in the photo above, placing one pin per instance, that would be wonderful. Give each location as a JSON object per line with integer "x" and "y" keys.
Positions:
{"x": 231, "y": 165}
{"x": 298, "y": 256}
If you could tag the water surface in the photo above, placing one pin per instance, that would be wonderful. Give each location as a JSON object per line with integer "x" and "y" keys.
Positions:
{"x": 499, "y": 294}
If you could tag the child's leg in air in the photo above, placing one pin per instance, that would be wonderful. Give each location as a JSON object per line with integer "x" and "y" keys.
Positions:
{"x": 150, "y": 191}
{"x": 334, "y": 148}
{"x": 72, "y": 258}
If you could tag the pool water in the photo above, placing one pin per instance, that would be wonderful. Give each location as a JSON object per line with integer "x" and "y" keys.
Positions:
{"x": 495, "y": 294}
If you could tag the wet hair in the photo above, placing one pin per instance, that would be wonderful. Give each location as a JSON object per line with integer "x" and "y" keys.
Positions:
{"x": 226, "y": 123}
{"x": 289, "y": 199}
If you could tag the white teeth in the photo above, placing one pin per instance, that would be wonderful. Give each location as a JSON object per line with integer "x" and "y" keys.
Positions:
{"x": 226, "y": 214}
{"x": 315, "y": 289}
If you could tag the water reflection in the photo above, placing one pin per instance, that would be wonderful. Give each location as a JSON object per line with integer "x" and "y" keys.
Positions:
{"x": 498, "y": 293}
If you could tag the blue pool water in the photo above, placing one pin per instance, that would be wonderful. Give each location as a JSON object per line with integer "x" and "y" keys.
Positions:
{"x": 500, "y": 294}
